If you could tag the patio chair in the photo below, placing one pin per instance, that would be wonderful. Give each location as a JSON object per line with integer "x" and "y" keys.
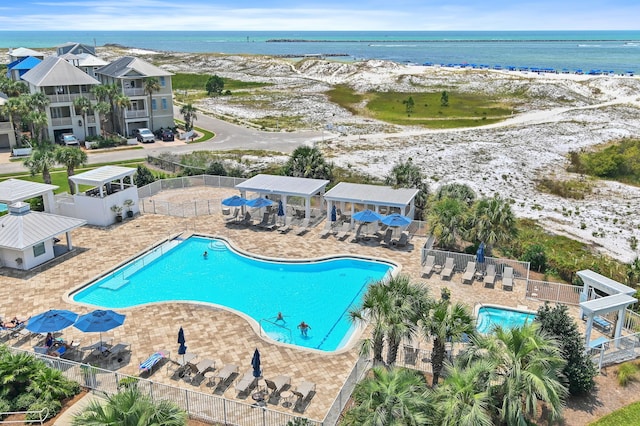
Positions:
{"x": 147, "y": 365}
{"x": 286, "y": 227}
{"x": 327, "y": 230}
{"x": 246, "y": 219}
{"x": 245, "y": 383}
{"x": 277, "y": 385}
{"x": 303, "y": 392}
{"x": 359, "y": 235}
{"x": 469, "y": 273}
{"x": 116, "y": 351}
{"x": 507, "y": 278}
{"x": 303, "y": 228}
{"x": 233, "y": 217}
{"x": 271, "y": 223}
{"x": 490, "y": 278}
{"x": 448, "y": 268}
{"x": 427, "y": 268}
{"x": 179, "y": 365}
{"x": 226, "y": 372}
{"x": 264, "y": 221}
{"x": 200, "y": 368}
{"x": 386, "y": 238}
{"x": 402, "y": 241}
{"x": 344, "y": 231}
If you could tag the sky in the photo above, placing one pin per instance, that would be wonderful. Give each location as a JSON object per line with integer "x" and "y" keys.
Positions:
{"x": 319, "y": 15}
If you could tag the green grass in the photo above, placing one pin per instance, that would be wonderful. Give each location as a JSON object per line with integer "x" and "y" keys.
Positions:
{"x": 464, "y": 109}
{"x": 183, "y": 81}
{"x": 626, "y": 416}
{"x": 206, "y": 135}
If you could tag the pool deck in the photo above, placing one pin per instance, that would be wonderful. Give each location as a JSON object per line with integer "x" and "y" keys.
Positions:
{"x": 213, "y": 333}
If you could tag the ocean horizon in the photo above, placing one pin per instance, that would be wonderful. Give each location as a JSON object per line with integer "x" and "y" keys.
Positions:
{"x": 617, "y": 51}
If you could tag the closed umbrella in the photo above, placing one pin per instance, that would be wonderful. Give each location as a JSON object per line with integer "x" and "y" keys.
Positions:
{"x": 280, "y": 208}
{"x": 51, "y": 321}
{"x": 99, "y": 321}
{"x": 235, "y": 201}
{"x": 480, "y": 256}
{"x": 334, "y": 213}
{"x": 182, "y": 349}
{"x": 255, "y": 363}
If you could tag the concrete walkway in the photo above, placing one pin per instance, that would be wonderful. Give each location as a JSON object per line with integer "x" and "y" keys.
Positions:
{"x": 66, "y": 418}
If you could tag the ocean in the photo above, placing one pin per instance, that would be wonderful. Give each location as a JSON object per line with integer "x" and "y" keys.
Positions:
{"x": 617, "y": 51}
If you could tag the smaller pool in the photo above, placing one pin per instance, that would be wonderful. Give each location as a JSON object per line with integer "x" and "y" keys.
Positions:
{"x": 490, "y": 316}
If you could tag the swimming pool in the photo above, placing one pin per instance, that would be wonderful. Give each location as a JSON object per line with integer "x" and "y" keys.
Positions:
{"x": 319, "y": 293}
{"x": 491, "y": 316}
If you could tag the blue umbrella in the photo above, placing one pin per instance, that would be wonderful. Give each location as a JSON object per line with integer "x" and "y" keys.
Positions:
{"x": 396, "y": 219}
{"x": 334, "y": 213}
{"x": 259, "y": 203}
{"x": 367, "y": 216}
{"x": 235, "y": 201}
{"x": 480, "y": 254}
{"x": 280, "y": 208}
{"x": 99, "y": 321}
{"x": 255, "y": 363}
{"x": 51, "y": 321}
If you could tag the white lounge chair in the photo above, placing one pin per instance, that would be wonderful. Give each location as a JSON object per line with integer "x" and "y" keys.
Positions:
{"x": 233, "y": 217}
{"x": 469, "y": 273}
{"x": 507, "y": 278}
{"x": 286, "y": 227}
{"x": 201, "y": 367}
{"x": 116, "y": 351}
{"x": 303, "y": 392}
{"x": 328, "y": 230}
{"x": 490, "y": 277}
{"x": 245, "y": 383}
{"x": 226, "y": 372}
{"x": 278, "y": 384}
{"x": 344, "y": 231}
{"x": 427, "y": 268}
{"x": 448, "y": 268}
{"x": 304, "y": 227}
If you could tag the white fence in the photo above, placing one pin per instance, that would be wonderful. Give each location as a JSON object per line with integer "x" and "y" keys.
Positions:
{"x": 520, "y": 269}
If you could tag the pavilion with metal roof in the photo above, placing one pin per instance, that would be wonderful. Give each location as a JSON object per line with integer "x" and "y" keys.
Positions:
{"x": 618, "y": 299}
{"x": 373, "y": 197}
{"x": 283, "y": 187}
{"x": 27, "y": 238}
{"x": 15, "y": 190}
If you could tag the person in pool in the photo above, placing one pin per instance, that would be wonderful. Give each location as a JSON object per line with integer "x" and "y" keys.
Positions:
{"x": 280, "y": 317}
{"x": 205, "y": 254}
{"x": 304, "y": 328}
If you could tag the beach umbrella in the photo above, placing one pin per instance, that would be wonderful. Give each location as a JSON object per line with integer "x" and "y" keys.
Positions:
{"x": 367, "y": 216}
{"x": 235, "y": 201}
{"x": 51, "y": 321}
{"x": 480, "y": 254}
{"x": 255, "y": 363}
{"x": 99, "y": 321}
{"x": 395, "y": 220}
{"x": 259, "y": 203}
{"x": 334, "y": 213}
{"x": 182, "y": 349}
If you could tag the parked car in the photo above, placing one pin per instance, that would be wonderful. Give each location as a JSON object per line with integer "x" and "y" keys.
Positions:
{"x": 144, "y": 135}
{"x": 69, "y": 139}
{"x": 166, "y": 135}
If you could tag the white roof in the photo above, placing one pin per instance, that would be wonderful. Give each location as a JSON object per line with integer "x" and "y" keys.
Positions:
{"x": 102, "y": 175}
{"x": 89, "y": 60}
{"x": 22, "y": 52}
{"x": 55, "y": 71}
{"x": 14, "y": 190}
{"x": 285, "y": 185}
{"x": 603, "y": 283}
{"x": 371, "y": 194}
{"x": 607, "y": 304}
{"x": 19, "y": 231}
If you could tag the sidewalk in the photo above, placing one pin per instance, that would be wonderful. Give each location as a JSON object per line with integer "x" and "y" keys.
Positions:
{"x": 65, "y": 418}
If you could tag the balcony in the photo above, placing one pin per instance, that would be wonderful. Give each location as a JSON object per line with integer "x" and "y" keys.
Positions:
{"x": 134, "y": 92}
{"x": 5, "y": 125}
{"x": 139, "y": 113}
{"x": 69, "y": 97}
{"x": 62, "y": 121}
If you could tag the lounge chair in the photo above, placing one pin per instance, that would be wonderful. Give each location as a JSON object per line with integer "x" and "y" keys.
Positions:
{"x": 507, "y": 278}
{"x": 602, "y": 323}
{"x": 246, "y": 219}
{"x": 358, "y": 235}
{"x": 155, "y": 358}
{"x": 200, "y": 368}
{"x": 246, "y": 383}
{"x": 233, "y": 217}
{"x": 264, "y": 221}
{"x": 271, "y": 223}
{"x": 448, "y": 268}
{"x": 328, "y": 230}
{"x": 286, "y": 227}
{"x": 303, "y": 392}
{"x": 344, "y": 231}
{"x": 490, "y": 277}
{"x": 179, "y": 365}
{"x": 427, "y": 268}
{"x": 226, "y": 372}
{"x": 117, "y": 351}
{"x": 304, "y": 227}
{"x": 277, "y": 385}
{"x": 402, "y": 241}
{"x": 386, "y": 238}
{"x": 469, "y": 273}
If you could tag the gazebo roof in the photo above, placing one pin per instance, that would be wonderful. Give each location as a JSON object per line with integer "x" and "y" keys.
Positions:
{"x": 23, "y": 228}
{"x": 607, "y": 304}
{"x": 14, "y": 190}
{"x": 371, "y": 194}
{"x": 605, "y": 284}
{"x": 285, "y": 185}
{"x": 102, "y": 175}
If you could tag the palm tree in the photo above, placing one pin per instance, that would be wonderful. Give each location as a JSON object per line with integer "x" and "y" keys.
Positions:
{"x": 528, "y": 367}
{"x": 373, "y": 310}
{"x": 408, "y": 175}
{"x": 447, "y": 220}
{"x": 71, "y": 157}
{"x": 38, "y": 101}
{"x": 151, "y": 85}
{"x": 189, "y": 113}
{"x": 459, "y": 191}
{"x": 108, "y": 93}
{"x": 444, "y": 323}
{"x": 41, "y": 160}
{"x": 16, "y": 108}
{"x": 463, "y": 399}
{"x": 130, "y": 407}
{"x": 11, "y": 88}
{"x": 493, "y": 222}
{"x": 38, "y": 121}
{"x": 16, "y": 371}
{"x": 50, "y": 384}
{"x": 83, "y": 104}
{"x": 103, "y": 108}
{"x": 308, "y": 162}
{"x": 395, "y": 396}
{"x": 121, "y": 102}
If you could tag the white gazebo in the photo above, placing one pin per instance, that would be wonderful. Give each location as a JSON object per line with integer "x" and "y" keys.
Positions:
{"x": 108, "y": 192}
{"x": 16, "y": 190}
{"x": 285, "y": 186}
{"x": 27, "y": 238}
{"x": 618, "y": 298}
{"x": 371, "y": 196}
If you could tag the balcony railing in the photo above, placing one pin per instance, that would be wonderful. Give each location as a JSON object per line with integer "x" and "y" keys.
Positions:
{"x": 70, "y": 97}
{"x": 62, "y": 121}
{"x": 139, "y": 113}
{"x": 5, "y": 125}
{"x": 134, "y": 92}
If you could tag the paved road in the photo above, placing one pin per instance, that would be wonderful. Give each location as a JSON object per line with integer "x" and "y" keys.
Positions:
{"x": 228, "y": 136}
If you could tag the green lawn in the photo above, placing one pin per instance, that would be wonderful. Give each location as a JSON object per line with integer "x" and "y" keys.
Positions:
{"x": 183, "y": 81}
{"x": 626, "y": 416}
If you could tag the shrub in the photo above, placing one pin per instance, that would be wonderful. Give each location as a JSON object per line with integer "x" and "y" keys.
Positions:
{"x": 5, "y": 406}
{"x": 128, "y": 383}
{"x": 52, "y": 406}
{"x": 24, "y": 400}
{"x": 216, "y": 168}
{"x": 627, "y": 373}
{"x": 536, "y": 256}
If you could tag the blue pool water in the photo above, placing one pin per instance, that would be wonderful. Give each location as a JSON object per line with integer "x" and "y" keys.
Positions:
{"x": 489, "y": 317}
{"x": 318, "y": 293}
{"x": 3, "y": 207}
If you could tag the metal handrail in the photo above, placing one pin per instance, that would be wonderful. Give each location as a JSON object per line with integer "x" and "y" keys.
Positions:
{"x": 44, "y": 414}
